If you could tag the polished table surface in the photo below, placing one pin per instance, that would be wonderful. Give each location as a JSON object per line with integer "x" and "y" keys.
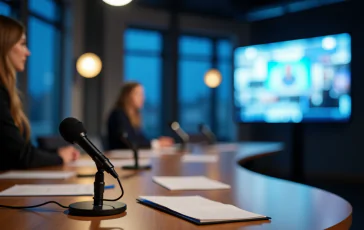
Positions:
{"x": 290, "y": 205}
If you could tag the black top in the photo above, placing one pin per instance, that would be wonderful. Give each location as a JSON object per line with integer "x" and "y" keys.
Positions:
{"x": 117, "y": 124}
{"x": 15, "y": 151}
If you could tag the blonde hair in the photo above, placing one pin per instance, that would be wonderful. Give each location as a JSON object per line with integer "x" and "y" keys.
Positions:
{"x": 123, "y": 102}
{"x": 11, "y": 32}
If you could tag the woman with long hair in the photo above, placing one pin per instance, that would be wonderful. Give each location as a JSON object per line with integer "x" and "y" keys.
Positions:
{"x": 126, "y": 119}
{"x": 16, "y": 150}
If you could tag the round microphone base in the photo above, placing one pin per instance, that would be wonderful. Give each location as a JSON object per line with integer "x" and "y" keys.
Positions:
{"x": 87, "y": 208}
{"x": 133, "y": 167}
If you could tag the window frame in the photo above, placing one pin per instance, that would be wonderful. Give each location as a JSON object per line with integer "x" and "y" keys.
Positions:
{"x": 58, "y": 85}
{"x": 215, "y": 59}
{"x": 140, "y": 53}
{"x": 21, "y": 11}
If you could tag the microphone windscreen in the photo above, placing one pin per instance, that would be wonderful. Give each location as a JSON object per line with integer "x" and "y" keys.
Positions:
{"x": 174, "y": 125}
{"x": 70, "y": 129}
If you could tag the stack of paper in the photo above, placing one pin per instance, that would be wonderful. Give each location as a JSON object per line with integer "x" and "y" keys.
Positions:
{"x": 195, "y": 158}
{"x": 49, "y": 190}
{"x": 116, "y": 163}
{"x": 143, "y": 153}
{"x": 189, "y": 183}
{"x": 199, "y": 210}
{"x": 227, "y": 147}
{"x": 37, "y": 175}
{"x": 122, "y": 153}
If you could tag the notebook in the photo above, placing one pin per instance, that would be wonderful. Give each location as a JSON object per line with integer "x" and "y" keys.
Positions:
{"x": 199, "y": 210}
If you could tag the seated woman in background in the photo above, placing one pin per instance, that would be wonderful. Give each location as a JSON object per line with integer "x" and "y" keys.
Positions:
{"x": 16, "y": 150}
{"x": 126, "y": 119}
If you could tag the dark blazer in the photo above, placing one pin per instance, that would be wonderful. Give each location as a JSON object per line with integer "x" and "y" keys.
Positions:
{"x": 118, "y": 123}
{"x": 15, "y": 151}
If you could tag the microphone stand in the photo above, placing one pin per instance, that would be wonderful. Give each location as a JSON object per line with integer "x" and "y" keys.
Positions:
{"x": 183, "y": 143}
{"x": 184, "y": 137}
{"x": 98, "y": 207}
{"x": 134, "y": 148}
{"x": 211, "y": 139}
{"x": 208, "y": 134}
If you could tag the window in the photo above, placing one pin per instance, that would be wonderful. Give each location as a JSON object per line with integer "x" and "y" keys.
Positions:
{"x": 225, "y": 129}
{"x": 45, "y": 8}
{"x": 5, "y": 9}
{"x": 44, "y": 80}
{"x": 196, "y": 56}
{"x": 143, "y": 63}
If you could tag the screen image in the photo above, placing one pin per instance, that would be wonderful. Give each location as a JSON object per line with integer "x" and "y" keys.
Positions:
{"x": 305, "y": 80}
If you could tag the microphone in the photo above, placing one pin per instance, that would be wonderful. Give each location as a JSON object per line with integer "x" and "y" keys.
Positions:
{"x": 180, "y": 132}
{"x": 206, "y": 131}
{"x": 134, "y": 148}
{"x": 72, "y": 131}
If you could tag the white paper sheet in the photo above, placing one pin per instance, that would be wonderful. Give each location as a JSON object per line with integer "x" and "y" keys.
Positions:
{"x": 189, "y": 183}
{"x": 202, "y": 209}
{"x": 199, "y": 158}
{"x": 115, "y": 162}
{"x": 37, "y": 175}
{"x": 129, "y": 154}
{"x": 49, "y": 190}
{"x": 142, "y": 153}
{"x": 227, "y": 147}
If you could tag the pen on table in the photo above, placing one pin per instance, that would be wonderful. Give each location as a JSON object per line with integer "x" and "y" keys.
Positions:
{"x": 109, "y": 186}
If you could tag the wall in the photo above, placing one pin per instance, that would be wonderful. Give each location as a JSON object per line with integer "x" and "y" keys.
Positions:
{"x": 117, "y": 19}
{"x": 77, "y": 49}
{"x": 331, "y": 150}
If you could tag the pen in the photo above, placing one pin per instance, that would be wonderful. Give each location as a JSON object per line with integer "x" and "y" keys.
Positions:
{"x": 109, "y": 186}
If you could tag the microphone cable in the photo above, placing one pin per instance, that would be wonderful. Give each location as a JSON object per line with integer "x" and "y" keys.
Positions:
{"x": 60, "y": 205}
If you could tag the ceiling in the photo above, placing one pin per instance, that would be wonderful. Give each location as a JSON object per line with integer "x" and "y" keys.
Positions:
{"x": 214, "y": 8}
{"x": 232, "y": 9}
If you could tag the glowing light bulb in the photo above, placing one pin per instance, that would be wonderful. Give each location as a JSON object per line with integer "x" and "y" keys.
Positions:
{"x": 213, "y": 78}
{"x": 89, "y": 65}
{"x": 117, "y": 2}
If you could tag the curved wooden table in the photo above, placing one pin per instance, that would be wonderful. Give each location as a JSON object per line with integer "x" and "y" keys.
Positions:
{"x": 291, "y": 205}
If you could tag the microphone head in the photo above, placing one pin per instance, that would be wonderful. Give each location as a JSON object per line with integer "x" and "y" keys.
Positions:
{"x": 174, "y": 125}
{"x": 71, "y": 129}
